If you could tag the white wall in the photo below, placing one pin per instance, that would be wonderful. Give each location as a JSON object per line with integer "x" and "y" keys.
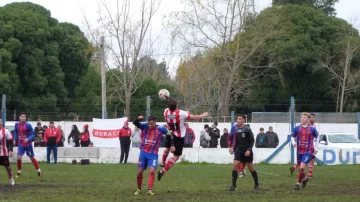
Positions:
{"x": 282, "y": 129}
{"x": 193, "y": 155}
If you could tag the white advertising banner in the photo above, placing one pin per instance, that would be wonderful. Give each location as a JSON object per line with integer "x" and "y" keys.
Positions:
{"x": 106, "y": 132}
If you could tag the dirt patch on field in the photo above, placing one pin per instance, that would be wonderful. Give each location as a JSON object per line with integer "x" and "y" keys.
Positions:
{"x": 7, "y": 188}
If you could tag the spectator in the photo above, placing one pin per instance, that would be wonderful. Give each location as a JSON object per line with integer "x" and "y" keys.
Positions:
{"x": 215, "y": 135}
{"x": 272, "y": 139}
{"x": 223, "y": 139}
{"x": 75, "y": 136}
{"x": 51, "y": 138}
{"x": 39, "y": 141}
{"x": 261, "y": 139}
{"x": 189, "y": 136}
{"x": 45, "y": 127}
{"x": 205, "y": 137}
{"x": 85, "y": 137}
{"x": 135, "y": 137}
{"x": 164, "y": 140}
{"x": 39, "y": 130}
{"x": 62, "y": 137}
{"x": 124, "y": 137}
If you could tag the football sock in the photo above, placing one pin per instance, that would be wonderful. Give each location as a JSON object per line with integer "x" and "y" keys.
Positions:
{"x": 139, "y": 180}
{"x": 19, "y": 165}
{"x": 234, "y": 177}
{"x": 310, "y": 170}
{"x": 165, "y": 155}
{"x": 151, "y": 178}
{"x": 240, "y": 168}
{"x": 301, "y": 175}
{"x": 168, "y": 165}
{"x": 8, "y": 170}
{"x": 36, "y": 164}
{"x": 255, "y": 176}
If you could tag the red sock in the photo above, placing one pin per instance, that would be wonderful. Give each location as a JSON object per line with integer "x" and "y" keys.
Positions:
{"x": 19, "y": 164}
{"x": 301, "y": 175}
{"x": 36, "y": 164}
{"x": 168, "y": 165}
{"x": 240, "y": 168}
{"x": 8, "y": 170}
{"x": 139, "y": 180}
{"x": 310, "y": 170}
{"x": 165, "y": 155}
{"x": 151, "y": 178}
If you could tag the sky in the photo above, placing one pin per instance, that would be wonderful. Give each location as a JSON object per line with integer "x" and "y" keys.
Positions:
{"x": 73, "y": 11}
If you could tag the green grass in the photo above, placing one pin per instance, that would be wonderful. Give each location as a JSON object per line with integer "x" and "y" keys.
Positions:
{"x": 184, "y": 182}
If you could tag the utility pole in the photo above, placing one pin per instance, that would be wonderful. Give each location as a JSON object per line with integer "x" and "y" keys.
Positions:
{"x": 103, "y": 77}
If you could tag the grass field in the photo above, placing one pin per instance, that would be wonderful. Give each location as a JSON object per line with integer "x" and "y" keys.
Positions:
{"x": 185, "y": 182}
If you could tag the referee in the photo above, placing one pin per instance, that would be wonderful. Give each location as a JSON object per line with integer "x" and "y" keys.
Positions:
{"x": 241, "y": 145}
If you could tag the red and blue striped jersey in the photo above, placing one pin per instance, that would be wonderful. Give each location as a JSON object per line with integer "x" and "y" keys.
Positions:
{"x": 304, "y": 137}
{"x": 23, "y": 131}
{"x": 151, "y": 138}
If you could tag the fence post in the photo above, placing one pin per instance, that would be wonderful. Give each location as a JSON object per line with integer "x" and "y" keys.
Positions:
{"x": 232, "y": 118}
{"x": 358, "y": 117}
{"x": 292, "y": 125}
{"x": 3, "y": 110}
{"x": 147, "y": 107}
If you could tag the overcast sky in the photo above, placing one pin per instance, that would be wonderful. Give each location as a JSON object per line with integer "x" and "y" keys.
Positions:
{"x": 72, "y": 11}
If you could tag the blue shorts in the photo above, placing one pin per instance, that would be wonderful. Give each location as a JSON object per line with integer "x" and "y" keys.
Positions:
{"x": 147, "y": 160}
{"x": 28, "y": 149}
{"x": 304, "y": 158}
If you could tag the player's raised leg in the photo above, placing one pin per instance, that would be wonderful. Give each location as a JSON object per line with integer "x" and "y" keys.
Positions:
{"x": 4, "y": 161}
{"x": 242, "y": 171}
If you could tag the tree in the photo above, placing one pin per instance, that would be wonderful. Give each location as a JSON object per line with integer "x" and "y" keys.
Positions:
{"x": 128, "y": 39}
{"x": 35, "y": 51}
{"x": 219, "y": 33}
{"x": 338, "y": 58}
{"x": 325, "y": 5}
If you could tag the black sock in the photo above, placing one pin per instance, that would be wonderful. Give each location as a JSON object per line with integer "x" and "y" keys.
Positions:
{"x": 254, "y": 174}
{"x": 234, "y": 177}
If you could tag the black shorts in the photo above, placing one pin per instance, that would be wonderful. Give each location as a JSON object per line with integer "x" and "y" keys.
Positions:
{"x": 4, "y": 161}
{"x": 178, "y": 143}
{"x": 240, "y": 156}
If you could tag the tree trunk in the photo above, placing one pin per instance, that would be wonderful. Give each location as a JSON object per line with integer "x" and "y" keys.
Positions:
{"x": 342, "y": 95}
{"x": 225, "y": 98}
{"x": 127, "y": 104}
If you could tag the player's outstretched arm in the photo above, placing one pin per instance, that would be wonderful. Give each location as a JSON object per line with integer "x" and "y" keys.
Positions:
{"x": 31, "y": 131}
{"x": 137, "y": 123}
{"x": 198, "y": 117}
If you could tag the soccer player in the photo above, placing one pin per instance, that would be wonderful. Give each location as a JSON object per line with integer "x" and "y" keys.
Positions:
{"x": 241, "y": 146}
{"x": 175, "y": 119}
{"x": 5, "y": 136}
{"x": 302, "y": 137}
{"x": 312, "y": 162}
{"x": 151, "y": 135}
{"x": 24, "y": 134}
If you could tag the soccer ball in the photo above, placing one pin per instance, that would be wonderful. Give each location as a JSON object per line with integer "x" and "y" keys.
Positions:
{"x": 164, "y": 94}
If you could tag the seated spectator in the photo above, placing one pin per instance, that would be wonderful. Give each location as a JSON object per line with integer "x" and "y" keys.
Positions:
{"x": 205, "y": 137}
{"x": 223, "y": 139}
{"x": 271, "y": 138}
{"x": 189, "y": 136}
{"x": 261, "y": 139}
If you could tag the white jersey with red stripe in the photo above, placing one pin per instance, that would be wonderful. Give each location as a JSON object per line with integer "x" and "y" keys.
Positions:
{"x": 176, "y": 121}
{"x": 4, "y": 137}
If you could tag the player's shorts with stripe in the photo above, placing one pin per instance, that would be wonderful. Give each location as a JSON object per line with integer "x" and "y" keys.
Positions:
{"x": 4, "y": 161}
{"x": 147, "y": 160}
{"x": 28, "y": 149}
{"x": 178, "y": 143}
{"x": 239, "y": 155}
{"x": 304, "y": 158}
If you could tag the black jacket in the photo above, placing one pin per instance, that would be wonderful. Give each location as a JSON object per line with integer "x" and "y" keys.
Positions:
{"x": 223, "y": 140}
{"x": 214, "y": 133}
{"x": 244, "y": 138}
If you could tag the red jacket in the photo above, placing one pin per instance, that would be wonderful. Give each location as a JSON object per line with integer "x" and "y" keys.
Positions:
{"x": 124, "y": 136}
{"x": 85, "y": 136}
{"x": 52, "y": 136}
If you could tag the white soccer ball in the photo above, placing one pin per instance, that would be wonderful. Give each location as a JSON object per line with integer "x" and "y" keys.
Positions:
{"x": 164, "y": 94}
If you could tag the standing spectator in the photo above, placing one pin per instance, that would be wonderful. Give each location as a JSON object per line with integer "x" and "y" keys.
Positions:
{"x": 136, "y": 137}
{"x": 261, "y": 139}
{"x": 124, "y": 137}
{"x": 223, "y": 139}
{"x": 75, "y": 135}
{"x": 62, "y": 137}
{"x": 39, "y": 130}
{"x": 39, "y": 141}
{"x": 85, "y": 137}
{"x": 215, "y": 135}
{"x": 205, "y": 137}
{"x": 52, "y": 138}
{"x": 189, "y": 136}
{"x": 272, "y": 139}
